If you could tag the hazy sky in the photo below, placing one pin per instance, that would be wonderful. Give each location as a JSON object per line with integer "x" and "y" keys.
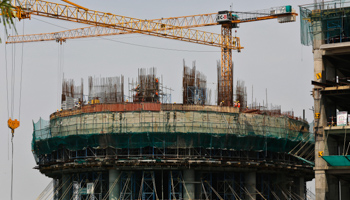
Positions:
{"x": 272, "y": 58}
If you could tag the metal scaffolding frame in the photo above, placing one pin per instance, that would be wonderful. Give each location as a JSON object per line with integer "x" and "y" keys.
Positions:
{"x": 175, "y": 186}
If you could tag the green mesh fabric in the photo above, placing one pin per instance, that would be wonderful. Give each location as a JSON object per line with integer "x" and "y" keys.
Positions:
{"x": 164, "y": 140}
{"x": 328, "y": 21}
{"x": 231, "y": 131}
{"x": 306, "y": 35}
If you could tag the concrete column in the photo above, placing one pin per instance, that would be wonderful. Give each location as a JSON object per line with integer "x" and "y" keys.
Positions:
{"x": 189, "y": 190}
{"x": 66, "y": 181}
{"x": 198, "y": 186}
{"x": 345, "y": 190}
{"x": 321, "y": 185}
{"x": 115, "y": 192}
{"x": 250, "y": 181}
{"x": 333, "y": 187}
{"x": 299, "y": 187}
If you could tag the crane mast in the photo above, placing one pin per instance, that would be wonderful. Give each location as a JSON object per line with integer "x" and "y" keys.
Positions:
{"x": 225, "y": 82}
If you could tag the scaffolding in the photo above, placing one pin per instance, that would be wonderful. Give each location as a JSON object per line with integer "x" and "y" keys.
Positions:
{"x": 106, "y": 89}
{"x": 170, "y": 184}
{"x": 194, "y": 85}
{"x": 151, "y": 144}
{"x": 168, "y": 133}
{"x": 71, "y": 94}
{"x": 328, "y": 22}
{"x": 147, "y": 86}
{"x": 241, "y": 94}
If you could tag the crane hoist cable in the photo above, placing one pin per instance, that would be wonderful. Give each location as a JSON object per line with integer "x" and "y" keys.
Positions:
{"x": 10, "y": 98}
{"x": 12, "y": 122}
{"x": 60, "y": 67}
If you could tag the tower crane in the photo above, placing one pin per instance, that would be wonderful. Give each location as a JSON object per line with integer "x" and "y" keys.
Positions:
{"x": 177, "y": 28}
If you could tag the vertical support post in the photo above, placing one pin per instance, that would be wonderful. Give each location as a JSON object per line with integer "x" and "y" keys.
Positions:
{"x": 65, "y": 180}
{"x": 115, "y": 191}
{"x": 299, "y": 187}
{"x": 302, "y": 187}
{"x": 250, "y": 181}
{"x": 189, "y": 179}
{"x": 345, "y": 189}
{"x": 162, "y": 185}
{"x": 333, "y": 187}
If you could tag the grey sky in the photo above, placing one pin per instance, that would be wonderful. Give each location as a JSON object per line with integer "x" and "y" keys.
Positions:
{"x": 272, "y": 58}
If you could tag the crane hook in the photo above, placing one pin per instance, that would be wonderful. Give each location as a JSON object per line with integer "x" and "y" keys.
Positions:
{"x": 13, "y": 124}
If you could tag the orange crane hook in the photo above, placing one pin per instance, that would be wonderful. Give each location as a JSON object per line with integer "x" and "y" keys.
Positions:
{"x": 13, "y": 124}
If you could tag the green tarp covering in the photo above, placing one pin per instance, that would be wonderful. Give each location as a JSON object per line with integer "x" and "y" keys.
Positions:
{"x": 165, "y": 140}
{"x": 337, "y": 160}
{"x": 191, "y": 129}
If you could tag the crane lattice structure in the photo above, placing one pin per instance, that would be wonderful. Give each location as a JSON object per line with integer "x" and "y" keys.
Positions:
{"x": 176, "y": 28}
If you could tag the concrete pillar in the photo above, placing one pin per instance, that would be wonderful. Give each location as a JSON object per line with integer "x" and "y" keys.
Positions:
{"x": 189, "y": 189}
{"x": 66, "y": 181}
{"x": 333, "y": 187}
{"x": 345, "y": 190}
{"x": 198, "y": 186}
{"x": 250, "y": 181}
{"x": 321, "y": 185}
{"x": 299, "y": 187}
{"x": 115, "y": 192}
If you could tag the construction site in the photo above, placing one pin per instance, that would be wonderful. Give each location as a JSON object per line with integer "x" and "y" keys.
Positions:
{"x": 106, "y": 148}
{"x": 125, "y": 138}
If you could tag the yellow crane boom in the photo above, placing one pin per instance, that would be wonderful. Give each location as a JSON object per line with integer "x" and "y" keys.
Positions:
{"x": 189, "y": 21}
{"x": 133, "y": 25}
{"x": 200, "y": 37}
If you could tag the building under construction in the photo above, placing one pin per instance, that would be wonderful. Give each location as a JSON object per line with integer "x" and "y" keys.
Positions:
{"x": 103, "y": 147}
{"x": 106, "y": 148}
{"x": 326, "y": 26}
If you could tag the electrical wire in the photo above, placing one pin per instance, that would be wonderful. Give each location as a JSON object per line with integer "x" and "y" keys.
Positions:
{"x": 50, "y": 23}
{"x": 139, "y": 45}
{"x": 159, "y": 48}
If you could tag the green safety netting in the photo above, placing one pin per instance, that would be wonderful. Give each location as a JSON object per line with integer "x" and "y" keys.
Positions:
{"x": 231, "y": 131}
{"x": 164, "y": 140}
{"x": 306, "y": 35}
{"x": 326, "y": 21}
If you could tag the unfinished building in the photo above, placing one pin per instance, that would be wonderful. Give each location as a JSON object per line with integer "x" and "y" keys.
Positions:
{"x": 326, "y": 26}
{"x": 151, "y": 150}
